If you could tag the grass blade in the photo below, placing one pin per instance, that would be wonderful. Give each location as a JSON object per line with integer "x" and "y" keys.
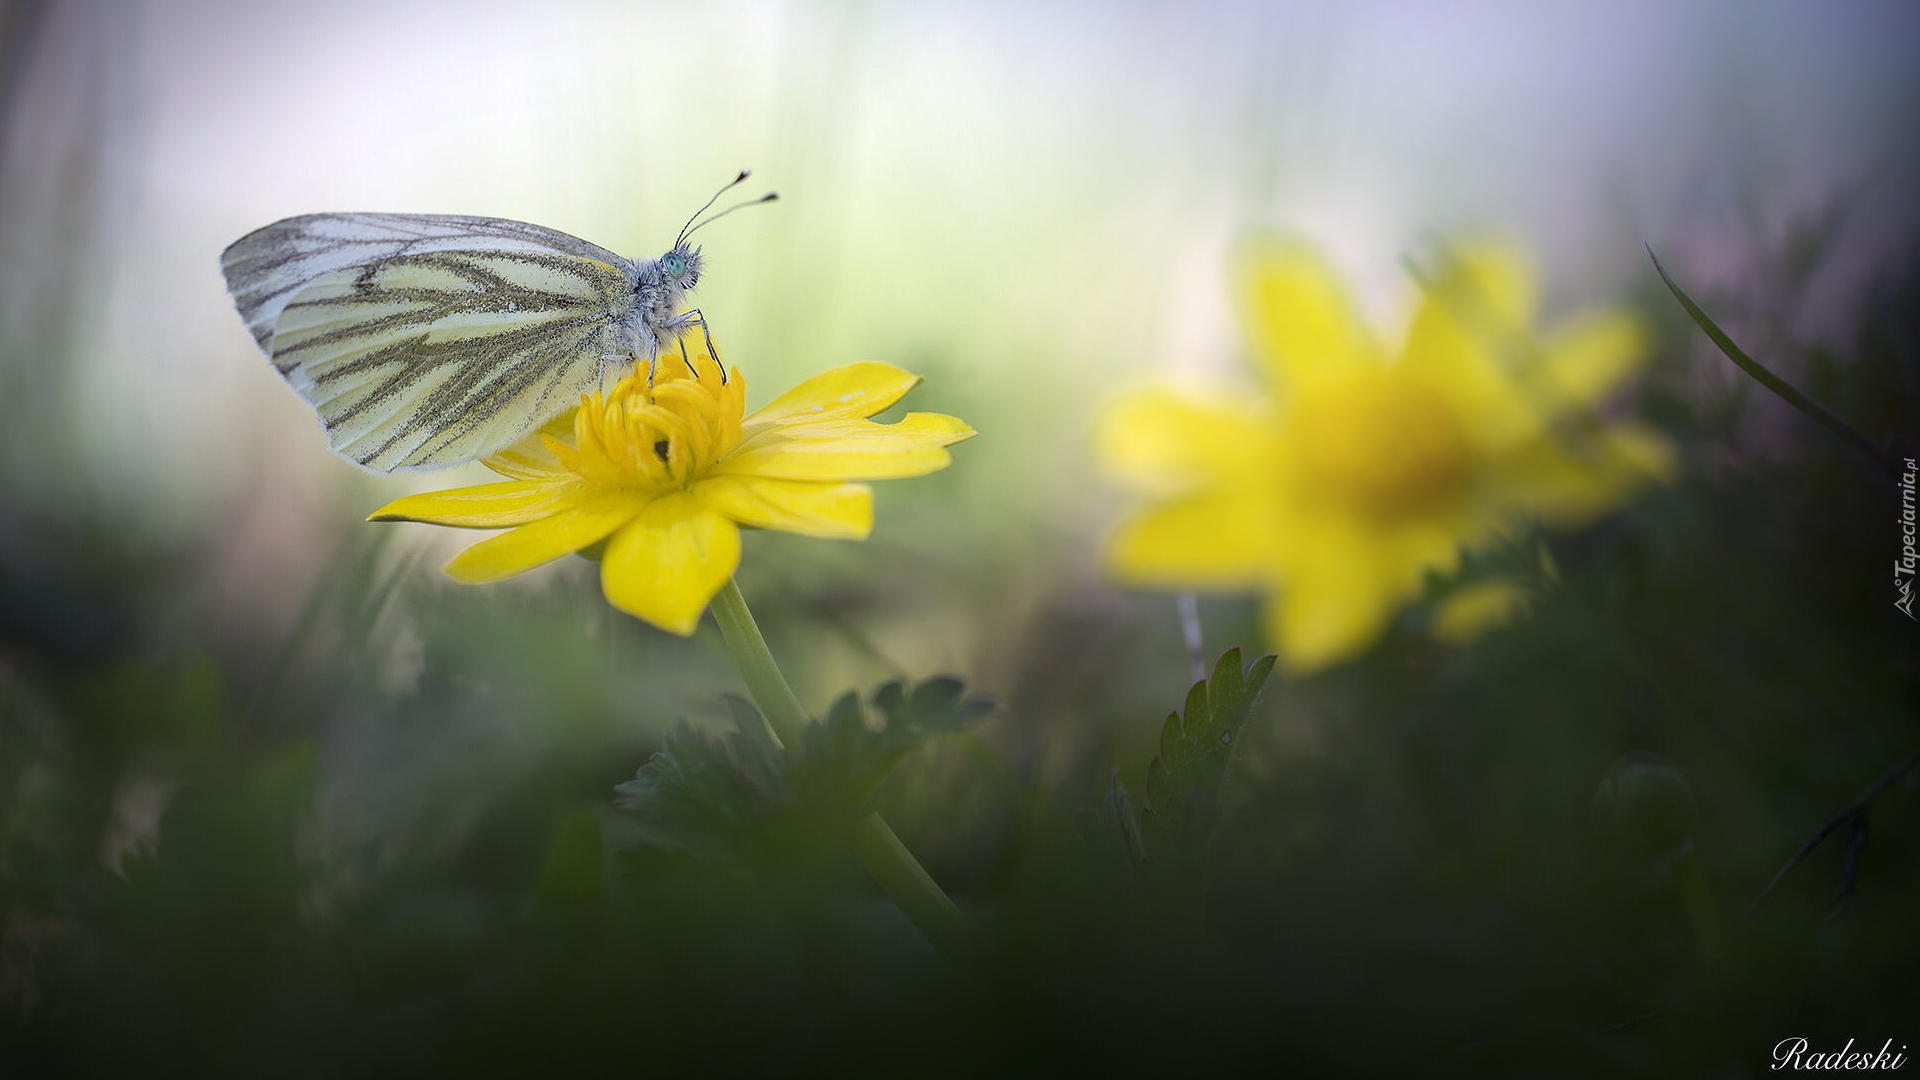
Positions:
{"x": 1786, "y": 391}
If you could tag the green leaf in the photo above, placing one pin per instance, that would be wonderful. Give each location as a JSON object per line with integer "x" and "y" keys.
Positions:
{"x": 1185, "y": 781}
{"x": 749, "y": 803}
{"x": 1170, "y": 837}
{"x": 844, "y": 759}
{"x": 705, "y": 795}
{"x": 1787, "y": 392}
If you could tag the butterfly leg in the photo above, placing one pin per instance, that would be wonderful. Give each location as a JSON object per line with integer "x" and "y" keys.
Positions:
{"x": 680, "y": 343}
{"x": 695, "y": 316}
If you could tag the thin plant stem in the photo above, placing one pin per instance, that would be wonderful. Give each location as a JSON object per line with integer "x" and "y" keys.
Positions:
{"x": 1855, "y": 812}
{"x": 769, "y": 688}
{"x": 914, "y": 891}
{"x": 898, "y": 873}
{"x": 1190, "y": 630}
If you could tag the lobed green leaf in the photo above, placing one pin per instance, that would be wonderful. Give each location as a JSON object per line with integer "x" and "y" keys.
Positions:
{"x": 1186, "y": 780}
{"x": 749, "y": 802}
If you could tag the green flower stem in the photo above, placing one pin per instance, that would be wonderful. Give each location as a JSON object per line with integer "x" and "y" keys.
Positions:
{"x": 769, "y": 688}
{"x": 918, "y": 896}
{"x": 1189, "y": 606}
{"x": 898, "y": 873}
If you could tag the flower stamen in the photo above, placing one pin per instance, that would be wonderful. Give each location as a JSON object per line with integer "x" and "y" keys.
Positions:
{"x": 1383, "y": 445}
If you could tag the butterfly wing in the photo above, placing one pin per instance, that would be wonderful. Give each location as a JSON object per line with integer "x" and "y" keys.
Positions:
{"x": 427, "y": 340}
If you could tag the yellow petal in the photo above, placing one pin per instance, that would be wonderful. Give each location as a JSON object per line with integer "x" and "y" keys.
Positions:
{"x": 833, "y": 511}
{"x": 1160, "y": 439}
{"x": 1298, "y": 314}
{"x": 1586, "y": 361}
{"x": 666, "y": 564}
{"x": 1214, "y": 541}
{"x": 1640, "y": 452}
{"x": 545, "y": 540}
{"x": 934, "y": 428}
{"x": 1412, "y": 549}
{"x": 849, "y": 450}
{"x": 1472, "y": 366}
{"x": 1550, "y": 482}
{"x": 1471, "y": 335}
{"x": 1490, "y": 283}
{"x": 850, "y": 391}
{"x": 1472, "y": 610}
{"x": 530, "y": 458}
{"x": 486, "y": 506}
{"x": 1343, "y": 582}
{"x": 1544, "y": 480}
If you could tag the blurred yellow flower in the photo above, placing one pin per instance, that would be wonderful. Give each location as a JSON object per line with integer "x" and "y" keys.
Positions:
{"x": 1359, "y": 471}
{"x": 666, "y": 471}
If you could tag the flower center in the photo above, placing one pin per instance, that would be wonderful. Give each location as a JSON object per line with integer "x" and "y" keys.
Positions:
{"x": 1381, "y": 443}
{"x": 659, "y": 434}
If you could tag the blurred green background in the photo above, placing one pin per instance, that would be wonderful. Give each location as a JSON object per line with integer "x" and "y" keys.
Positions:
{"x": 275, "y": 796}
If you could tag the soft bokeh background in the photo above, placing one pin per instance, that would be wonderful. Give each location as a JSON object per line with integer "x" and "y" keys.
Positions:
{"x": 1028, "y": 204}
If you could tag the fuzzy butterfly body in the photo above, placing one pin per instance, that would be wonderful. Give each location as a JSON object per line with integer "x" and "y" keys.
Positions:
{"x": 425, "y": 340}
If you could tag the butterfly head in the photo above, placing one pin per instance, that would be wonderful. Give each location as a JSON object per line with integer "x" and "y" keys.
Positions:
{"x": 682, "y": 264}
{"x": 681, "y": 267}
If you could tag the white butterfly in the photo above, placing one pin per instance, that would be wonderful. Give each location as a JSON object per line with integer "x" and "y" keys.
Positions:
{"x": 425, "y": 340}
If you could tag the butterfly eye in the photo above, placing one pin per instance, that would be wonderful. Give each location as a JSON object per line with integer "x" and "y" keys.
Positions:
{"x": 674, "y": 264}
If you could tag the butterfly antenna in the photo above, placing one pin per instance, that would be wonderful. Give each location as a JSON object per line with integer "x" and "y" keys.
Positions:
{"x": 688, "y": 228}
{"x": 768, "y": 197}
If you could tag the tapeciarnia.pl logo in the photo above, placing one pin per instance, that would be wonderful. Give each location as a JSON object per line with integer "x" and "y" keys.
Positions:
{"x": 1904, "y": 566}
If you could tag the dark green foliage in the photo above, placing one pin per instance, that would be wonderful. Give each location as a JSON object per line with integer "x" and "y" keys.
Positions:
{"x": 378, "y": 839}
{"x": 746, "y": 800}
{"x": 843, "y": 758}
{"x": 1186, "y": 781}
{"x": 1113, "y": 831}
{"x": 1643, "y": 808}
{"x": 1173, "y": 833}
{"x": 698, "y": 792}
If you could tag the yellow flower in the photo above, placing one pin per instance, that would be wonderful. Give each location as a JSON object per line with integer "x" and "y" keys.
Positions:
{"x": 1360, "y": 471}
{"x": 666, "y": 471}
